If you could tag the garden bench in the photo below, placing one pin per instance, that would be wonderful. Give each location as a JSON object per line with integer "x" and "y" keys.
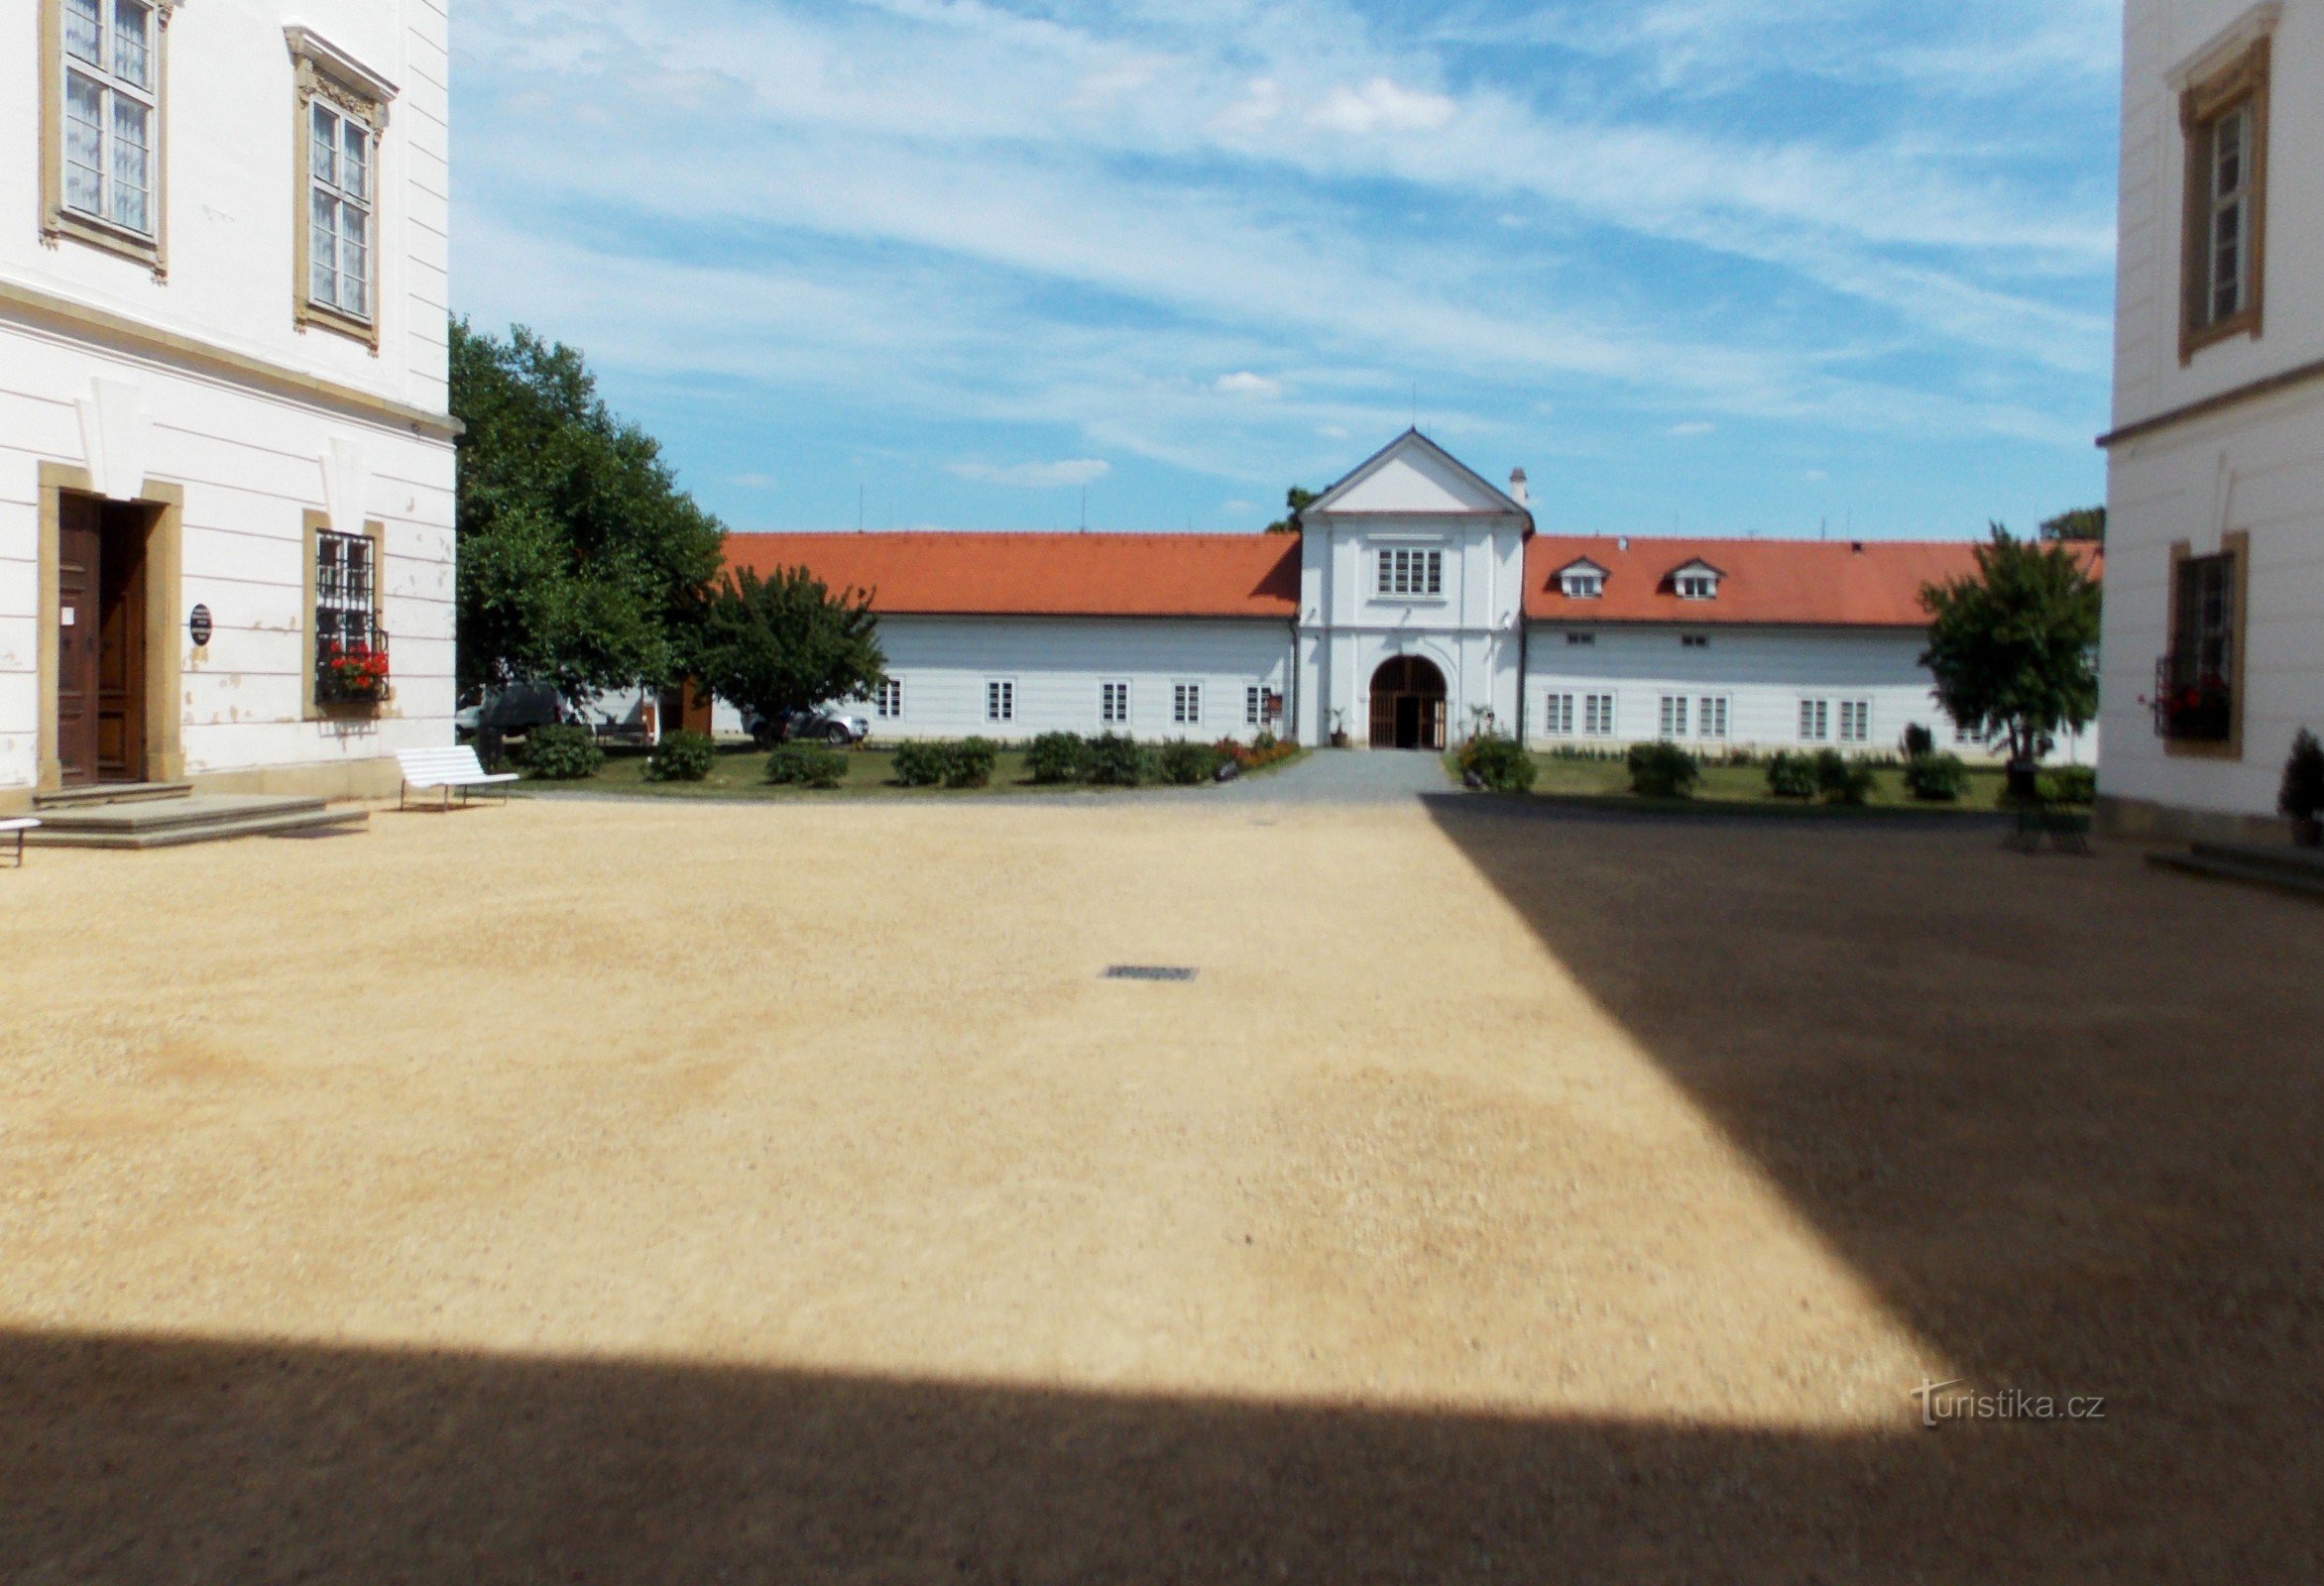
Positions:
{"x": 427, "y": 770}
{"x": 17, "y": 829}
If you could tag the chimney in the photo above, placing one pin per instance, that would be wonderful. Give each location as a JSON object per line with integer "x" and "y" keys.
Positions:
{"x": 1517, "y": 490}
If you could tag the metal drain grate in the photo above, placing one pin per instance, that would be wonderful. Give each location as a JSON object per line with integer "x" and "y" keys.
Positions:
{"x": 1147, "y": 972}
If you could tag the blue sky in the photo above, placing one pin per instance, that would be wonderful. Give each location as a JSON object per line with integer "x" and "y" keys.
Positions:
{"x": 1711, "y": 266}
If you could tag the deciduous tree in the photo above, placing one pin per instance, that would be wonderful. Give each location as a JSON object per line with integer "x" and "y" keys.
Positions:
{"x": 2013, "y": 650}
{"x": 787, "y": 643}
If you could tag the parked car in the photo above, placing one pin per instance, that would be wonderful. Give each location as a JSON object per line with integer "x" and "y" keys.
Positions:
{"x": 518, "y": 707}
{"x": 833, "y": 727}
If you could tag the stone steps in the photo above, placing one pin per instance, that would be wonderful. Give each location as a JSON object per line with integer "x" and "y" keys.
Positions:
{"x": 2296, "y": 872}
{"x": 101, "y": 793}
{"x": 201, "y": 818}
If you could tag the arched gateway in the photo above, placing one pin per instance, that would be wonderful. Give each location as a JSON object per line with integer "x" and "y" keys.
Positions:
{"x": 1408, "y": 704}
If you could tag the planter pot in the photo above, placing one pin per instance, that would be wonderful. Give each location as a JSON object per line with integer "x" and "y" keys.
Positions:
{"x": 2308, "y": 834}
{"x": 1339, "y": 741}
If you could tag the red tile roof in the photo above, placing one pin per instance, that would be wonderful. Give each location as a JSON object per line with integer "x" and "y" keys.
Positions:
{"x": 1809, "y": 583}
{"x": 1045, "y": 575}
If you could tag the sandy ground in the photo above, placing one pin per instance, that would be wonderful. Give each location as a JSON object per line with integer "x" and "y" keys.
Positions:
{"x": 594, "y": 1192}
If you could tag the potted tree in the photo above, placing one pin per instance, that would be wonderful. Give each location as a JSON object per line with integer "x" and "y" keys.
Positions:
{"x": 2303, "y": 798}
{"x": 1339, "y": 729}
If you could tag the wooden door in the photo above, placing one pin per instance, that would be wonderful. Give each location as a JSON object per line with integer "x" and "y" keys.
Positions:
{"x": 79, "y": 569}
{"x": 1383, "y": 717}
{"x": 121, "y": 647}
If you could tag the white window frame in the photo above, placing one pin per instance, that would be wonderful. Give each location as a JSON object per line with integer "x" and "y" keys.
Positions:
{"x": 1114, "y": 703}
{"x": 1597, "y": 716}
{"x": 888, "y": 700}
{"x": 1583, "y": 585}
{"x": 1558, "y": 714}
{"x": 1185, "y": 703}
{"x": 1410, "y": 572}
{"x": 1815, "y": 726}
{"x": 86, "y": 63}
{"x": 1855, "y": 725}
{"x": 1673, "y": 718}
{"x": 1580, "y": 638}
{"x": 1713, "y": 718}
{"x": 1255, "y": 705}
{"x": 1000, "y": 700}
{"x": 2227, "y": 232}
{"x": 1697, "y": 587}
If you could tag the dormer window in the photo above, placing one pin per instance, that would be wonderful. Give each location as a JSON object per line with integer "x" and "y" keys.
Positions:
{"x": 1583, "y": 581}
{"x": 1696, "y": 581}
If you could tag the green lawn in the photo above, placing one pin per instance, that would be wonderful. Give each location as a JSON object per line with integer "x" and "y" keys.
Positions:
{"x": 1730, "y": 786}
{"x": 741, "y": 772}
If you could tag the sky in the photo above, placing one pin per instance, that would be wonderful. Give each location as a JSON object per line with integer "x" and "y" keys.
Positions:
{"x": 1710, "y": 267}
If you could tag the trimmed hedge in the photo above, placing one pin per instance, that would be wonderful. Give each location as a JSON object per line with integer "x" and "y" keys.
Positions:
{"x": 1663, "y": 771}
{"x": 1188, "y": 765}
{"x": 1057, "y": 757}
{"x": 561, "y": 751}
{"x": 1500, "y": 764}
{"x": 1791, "y": 776}
{"x": 1842, "y": 780}
{"x": 1936, "y": 778}
{"x": 683, "y": 757}
{"x": 967, "y": 763}
{"x": 2070, "y": 784}
{"x": 1115, "y": 759}
{"x": 806, "y": 764}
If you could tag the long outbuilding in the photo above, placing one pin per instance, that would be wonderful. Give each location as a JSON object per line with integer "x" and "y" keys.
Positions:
{"x": 1415, "y": 605}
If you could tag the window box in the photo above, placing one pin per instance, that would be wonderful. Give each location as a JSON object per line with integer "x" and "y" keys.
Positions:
{"x": 353, "y": 670}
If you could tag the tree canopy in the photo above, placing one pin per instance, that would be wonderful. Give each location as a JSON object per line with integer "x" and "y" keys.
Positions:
{"x": 2084, "y": 524}
{"x": 787, "y": 642}
{"x": 1295, "y": 501}
{"x": 582, "y": 564}
{"x": 2013, "y": 649}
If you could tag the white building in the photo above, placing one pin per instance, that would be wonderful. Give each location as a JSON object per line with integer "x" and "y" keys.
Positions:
{"x": 224, "y": 449}
{"x": 1416, "y": 607}
{"x": 2214, "y": 648}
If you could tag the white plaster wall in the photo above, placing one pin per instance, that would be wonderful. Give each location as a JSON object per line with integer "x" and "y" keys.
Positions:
{"x": 1059, "y": 663}
{"x": 1762, "y": 672}
{"x": 251, "y": 463}
{"x": 2259, "y": 470}
{"x": 2257, "y": 467}
{"x": 2159, "y": 38}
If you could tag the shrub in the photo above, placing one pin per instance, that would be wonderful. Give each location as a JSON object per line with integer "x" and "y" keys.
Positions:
{"x": 1663, "y": 771}
{"x": 1266, "y": 749}
{"x": 2302, "y": 796}
{"x": 1936, "y": 778}
{"x": 1500, "y": 764}
{"x": 1115, "y": 760}
{"x": 1841, "y": 780}
{"x": 1056, "y": 757}
{"x": 970, "y": 762}
{"x": 561, "y": 751}
{"x": 1919, "y": 742}
{"x": 1791, "y": 776}
{"x": 922, "y": 764}
{"x": 1187, "y": 764}
{"x": 807, "y": 765}
{"x": 2071, "y": 784}
{"x": 681, "y": 756}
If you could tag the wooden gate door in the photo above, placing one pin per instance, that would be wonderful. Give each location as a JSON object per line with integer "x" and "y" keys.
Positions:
{"x": 81, "y": 545}
{"x": 1383, "y": 718}
{"x": 121, "y": 647}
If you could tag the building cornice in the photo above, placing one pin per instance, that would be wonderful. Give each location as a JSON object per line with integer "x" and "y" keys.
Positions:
{"x": 129, "y": 335}
{"x": 2237, "y": 396}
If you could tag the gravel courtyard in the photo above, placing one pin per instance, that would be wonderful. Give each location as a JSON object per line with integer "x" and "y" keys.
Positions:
{"x": 598, "y": 1192}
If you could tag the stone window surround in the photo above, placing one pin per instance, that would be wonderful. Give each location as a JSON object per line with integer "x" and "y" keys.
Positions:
{"x": 57, "y": 222}
{"x": 2236, "y": 543}
{"x": 312, "y": 528}
{"x": 2234, "y": 70}
{"x": 322, "y": 70}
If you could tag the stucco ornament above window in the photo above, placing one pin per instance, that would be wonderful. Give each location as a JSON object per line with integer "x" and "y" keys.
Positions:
{"x": 341, "y": 108}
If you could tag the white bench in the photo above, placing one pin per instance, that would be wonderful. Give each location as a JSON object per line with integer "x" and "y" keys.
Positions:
{"x": 427, "y": 770}
{"x": 17, "y": 829}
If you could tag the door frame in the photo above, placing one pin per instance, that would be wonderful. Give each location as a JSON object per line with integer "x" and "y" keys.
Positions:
{"x": 164, "y": 657}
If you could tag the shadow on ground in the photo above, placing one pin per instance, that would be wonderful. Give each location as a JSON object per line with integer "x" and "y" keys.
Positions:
{"x": 2062, "y": 1115}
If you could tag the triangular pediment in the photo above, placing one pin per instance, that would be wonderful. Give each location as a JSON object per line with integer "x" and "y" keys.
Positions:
{"x": 1414, "y": 476}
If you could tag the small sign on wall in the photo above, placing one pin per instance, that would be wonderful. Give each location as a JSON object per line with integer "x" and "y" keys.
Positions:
{"x": 198, "y": 625}
{"x": 66, "y": 617}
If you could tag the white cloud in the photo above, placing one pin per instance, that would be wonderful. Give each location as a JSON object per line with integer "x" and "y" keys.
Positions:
{"x": 1246, "y": 384}
{"x": 1691, "y": 428}
{"x": 1034, "y": 476}
{"x": 1381, "y": 106}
